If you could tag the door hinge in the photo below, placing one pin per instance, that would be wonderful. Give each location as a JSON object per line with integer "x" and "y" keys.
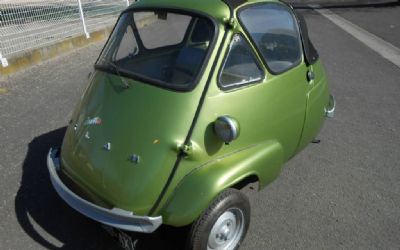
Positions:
{"x": 231, "y": 23}
{"x": 186, "y": 149}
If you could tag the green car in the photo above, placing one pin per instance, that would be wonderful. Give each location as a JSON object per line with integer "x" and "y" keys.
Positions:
{"x": 191, "y": 101}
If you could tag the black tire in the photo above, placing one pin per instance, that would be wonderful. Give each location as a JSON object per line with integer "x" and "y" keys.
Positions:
{"x": 228, "y": 203}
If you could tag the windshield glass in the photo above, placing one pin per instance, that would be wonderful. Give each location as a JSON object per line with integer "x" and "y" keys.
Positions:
{"x": 160, "y": 47}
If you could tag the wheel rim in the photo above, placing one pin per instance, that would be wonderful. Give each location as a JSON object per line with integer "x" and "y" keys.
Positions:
{"x": 227, "y": 230}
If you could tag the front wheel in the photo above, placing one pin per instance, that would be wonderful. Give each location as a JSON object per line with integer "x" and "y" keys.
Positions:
{"x": 223, "y": 225}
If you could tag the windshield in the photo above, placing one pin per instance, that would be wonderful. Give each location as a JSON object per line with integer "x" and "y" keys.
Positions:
{"x": 159, "y": 47}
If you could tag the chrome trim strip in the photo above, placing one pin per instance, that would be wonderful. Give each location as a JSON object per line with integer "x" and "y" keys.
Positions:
{"x": 330, "y": 109}
{"x": 115, "y": 217}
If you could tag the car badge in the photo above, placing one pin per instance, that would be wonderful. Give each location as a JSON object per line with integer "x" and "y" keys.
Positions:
{"x": 134, "y": 158}
{"x": 93, "y": 121}
{"x": 107, "y": 146}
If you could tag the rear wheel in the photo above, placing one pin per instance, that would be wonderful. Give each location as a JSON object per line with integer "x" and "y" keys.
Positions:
{"x": 223, "y": 225}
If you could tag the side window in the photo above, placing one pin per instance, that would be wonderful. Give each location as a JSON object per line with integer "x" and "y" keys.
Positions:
{"x": 201, "y": 33}
{"x": 128, "y": 46}
{"x": 274, "y": 30}
{"x": 240, "y": 65}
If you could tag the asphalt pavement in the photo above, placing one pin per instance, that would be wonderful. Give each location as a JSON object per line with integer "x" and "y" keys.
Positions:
{"x": 343, "y": 193}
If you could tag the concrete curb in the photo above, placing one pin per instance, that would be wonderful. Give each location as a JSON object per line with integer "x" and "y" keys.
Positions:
{"x": 33, "y": 57}
{"x": 30, "y": 58}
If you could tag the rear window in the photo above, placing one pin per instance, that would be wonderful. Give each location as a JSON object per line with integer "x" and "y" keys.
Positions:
{"x": 159, "y": 47}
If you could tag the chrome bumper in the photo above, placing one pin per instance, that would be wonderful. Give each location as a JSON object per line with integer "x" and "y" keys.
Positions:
{"x": 115, "y": 217}
{"x": 330, "y": 108}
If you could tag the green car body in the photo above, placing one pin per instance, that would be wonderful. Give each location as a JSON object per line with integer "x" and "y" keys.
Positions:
{"x": 153, "y": 152}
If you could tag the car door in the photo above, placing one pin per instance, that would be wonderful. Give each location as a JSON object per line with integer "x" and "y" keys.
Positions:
{"x": 121, "y": 145}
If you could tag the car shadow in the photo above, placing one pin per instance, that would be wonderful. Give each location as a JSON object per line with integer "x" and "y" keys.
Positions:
{"x": 54, "y": 225}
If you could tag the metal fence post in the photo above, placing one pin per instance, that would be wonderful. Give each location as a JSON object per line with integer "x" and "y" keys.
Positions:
{"x": 4, "y": 61}
{"x": 83, "y": 19}
{"x": 31, "y": 24}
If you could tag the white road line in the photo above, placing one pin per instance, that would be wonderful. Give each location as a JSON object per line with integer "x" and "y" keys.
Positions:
{"x": 383, "y": 48}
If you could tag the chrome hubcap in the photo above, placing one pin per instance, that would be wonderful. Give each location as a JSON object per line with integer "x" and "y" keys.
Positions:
{"x": 227, "y": 230}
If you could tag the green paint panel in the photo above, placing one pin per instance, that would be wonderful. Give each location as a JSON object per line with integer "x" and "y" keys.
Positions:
{"x": 203, "y": 184}
{"x": 143, "y": 120}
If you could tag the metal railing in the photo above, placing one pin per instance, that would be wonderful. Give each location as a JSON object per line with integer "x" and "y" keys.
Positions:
{"x": 30, "y": 24}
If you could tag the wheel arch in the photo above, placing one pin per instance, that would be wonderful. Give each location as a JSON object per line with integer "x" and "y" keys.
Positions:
{"x": 261, "y": 162}
{"x": 246, "y": 181}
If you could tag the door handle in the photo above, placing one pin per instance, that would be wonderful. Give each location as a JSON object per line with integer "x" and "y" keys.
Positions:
{"x": 310, "y": 76}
